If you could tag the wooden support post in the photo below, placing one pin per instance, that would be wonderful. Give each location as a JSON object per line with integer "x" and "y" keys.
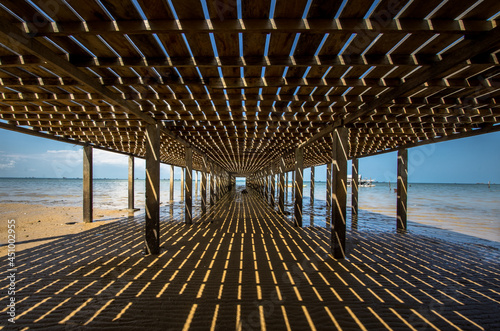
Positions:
{"x": 293, "y": 185}
{"x": 131, "y": 183}
{"x": 266, "y": 186}
{"x": 212, "y": 184}
{"x": 402, "y": 211}
{"x": 286, "y": 184}
{"x": 152, "y": 224}
{"x": 272, "y": 173}
{"x": 188, "y": 187}
{"x": 171, "y": 183}
{"x": 182, "y": 183}
{"x": 204, "y": 185}
{"x": 217, "y": 184}
{"x": 354, "y": 190}
{"x": 281, "y": 186}
{"x": 196, "y": 183}
{"x": 339, "y": 200}
{"x": 131, "y": 171}
{"x": 312, "y": 187}
{"x": 87, "y": 185}
{"x": 299, "y": 180}
{"x": 329, "y": 185}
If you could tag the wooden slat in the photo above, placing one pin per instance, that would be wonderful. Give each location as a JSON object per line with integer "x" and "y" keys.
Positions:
{"x": 297, "y": 25}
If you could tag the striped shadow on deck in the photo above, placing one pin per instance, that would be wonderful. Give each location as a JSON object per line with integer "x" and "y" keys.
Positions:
{"x": 243, "y": 267}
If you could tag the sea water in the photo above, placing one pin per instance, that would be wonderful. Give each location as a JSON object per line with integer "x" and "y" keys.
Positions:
{"x": 471, "y": 209}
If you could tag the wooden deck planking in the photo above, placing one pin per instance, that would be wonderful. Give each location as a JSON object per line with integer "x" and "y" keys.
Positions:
{"x": 242, "y": 264}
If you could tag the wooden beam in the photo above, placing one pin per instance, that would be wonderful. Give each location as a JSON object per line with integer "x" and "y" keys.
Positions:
{"x": 289, "y": 25}
{"x": 354, "y": 190}
{"x": 152, "y": 224}
{"x": 402, "y": 190}
{"x": 299, "y": 181}
{"x": 481, "y": 44}
{"x": 21, "y": 40}
{"x": 339, "y": 186}
{"x": 376, "y": 60}
{"x": 188, "y": 187}
{"x": 88, "y": 213}
{"x": 472, "y": 133}
{"x": 50, "y": 136}
{"x": 410, "y": 103}
{"x": 258, "y": 82}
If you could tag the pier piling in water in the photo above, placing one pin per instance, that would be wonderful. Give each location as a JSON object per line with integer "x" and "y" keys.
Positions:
{"x": 152, "y": 224}
{"x": 299, "y": 181}
{"x": 88, "y": 191}
{"x": 339, "y": 192}
{"x": 402, "y": 193}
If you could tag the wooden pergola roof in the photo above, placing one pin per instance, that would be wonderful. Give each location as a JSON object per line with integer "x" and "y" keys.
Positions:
{"x": 247, "y": 81}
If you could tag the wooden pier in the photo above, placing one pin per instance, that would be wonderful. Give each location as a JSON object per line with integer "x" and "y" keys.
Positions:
{"x": 261, "y": 90}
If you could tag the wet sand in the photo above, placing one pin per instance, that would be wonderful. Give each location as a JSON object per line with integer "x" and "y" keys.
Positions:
{"x": 244, "y": 267}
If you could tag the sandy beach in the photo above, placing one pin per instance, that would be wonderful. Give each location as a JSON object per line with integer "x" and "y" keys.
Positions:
{"x": 243, "y": 267}
{"x": 38, "y": 224}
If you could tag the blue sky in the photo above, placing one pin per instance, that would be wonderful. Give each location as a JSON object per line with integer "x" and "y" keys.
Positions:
{"x": 469, "y": 160}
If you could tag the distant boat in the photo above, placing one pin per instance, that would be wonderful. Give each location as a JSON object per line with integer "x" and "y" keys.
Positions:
{"x": 362, "y": 182}
{"x": 291, "y": 185}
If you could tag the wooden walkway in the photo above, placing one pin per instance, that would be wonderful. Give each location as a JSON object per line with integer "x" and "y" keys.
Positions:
{"x": 244, "y": 267}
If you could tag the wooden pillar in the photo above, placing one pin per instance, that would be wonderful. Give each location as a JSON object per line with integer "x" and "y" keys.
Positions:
{"x": 312, "y": 187}
{"x": 266, "y": 186}
{"x": 272, "y": 173}
{"x": 204, "y": 185}
{"x": 212, "y": 184}
{"x": 87, "y": 185}
{"x": 402, "y": 211}
{"x": 217, "y": 183}
{"x": 293, "y": 185}
{"x": 340, "y": 154}
{"x": 152, "y": 224}
{"x": 281, "y": 186}
{"x": 299, "y": 180}
{"x": 354, "y": 189}
{"x": 286, "y": 184}
{"x": 182, "y": 182}
{"x": 188, "y": 187}
{"x": 329, "y": 185}
{"x": 171, "y": 183}
{"x": 131, "y": 202}
{"x": 196, "y": 184}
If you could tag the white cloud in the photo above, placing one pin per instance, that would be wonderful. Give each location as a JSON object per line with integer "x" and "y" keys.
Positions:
{"x": 8, "y": 165}
{"x": 109, "y": 158}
